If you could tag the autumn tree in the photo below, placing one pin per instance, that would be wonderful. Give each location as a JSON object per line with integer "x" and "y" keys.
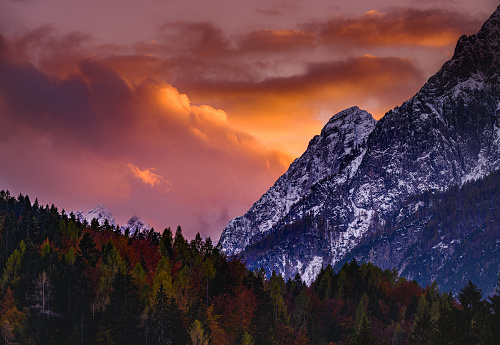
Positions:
{"x": 11, "y": 319}
{"x": 197, "y": 334}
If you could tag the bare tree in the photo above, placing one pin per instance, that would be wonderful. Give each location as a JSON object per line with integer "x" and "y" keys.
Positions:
{"x": 42, "y": 296}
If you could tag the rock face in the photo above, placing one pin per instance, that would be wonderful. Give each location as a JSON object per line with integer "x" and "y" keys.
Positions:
{"x": 449, "y": 237}
{"x": 358, "y": 172}
{"x": 342, "y": 138}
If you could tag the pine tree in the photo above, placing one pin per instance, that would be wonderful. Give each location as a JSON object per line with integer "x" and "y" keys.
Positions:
{"x": 473, "y": 313}
{"x": 11, "y": 319}
{"x": 495, "y": 317}
{"x": 122, "y": 315}
{"x": 423, "y": 330}
{"x": 166, "y": 323}
{"x": 159, "y": 321}
{"x": 167, "y": 243}
{"x": 447, "y": 325}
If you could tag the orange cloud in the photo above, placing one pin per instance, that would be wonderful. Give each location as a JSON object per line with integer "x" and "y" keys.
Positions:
{"x": 281, "y": 100}
{"x": 147, "y": 176}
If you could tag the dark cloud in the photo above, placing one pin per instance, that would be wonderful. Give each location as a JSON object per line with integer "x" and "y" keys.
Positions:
{"x": 276, "y": 41}
{"x": 399, "y": 26}
{"x": 389, "y": 80}
{"x": 203, "y": 39}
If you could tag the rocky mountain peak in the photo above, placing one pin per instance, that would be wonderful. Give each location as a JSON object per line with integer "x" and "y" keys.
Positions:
{"x": 356, "y": 174}
{"x": 342, "y": 139}
{"x": 476, "y": 61}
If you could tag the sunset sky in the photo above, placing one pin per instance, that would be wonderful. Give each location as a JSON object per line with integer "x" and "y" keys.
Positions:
{"x": 186, "y": 112}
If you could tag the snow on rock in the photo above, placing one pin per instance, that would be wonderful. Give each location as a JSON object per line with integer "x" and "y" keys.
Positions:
{"x": 343, "y": 136}
{"x": 312, "y": 270}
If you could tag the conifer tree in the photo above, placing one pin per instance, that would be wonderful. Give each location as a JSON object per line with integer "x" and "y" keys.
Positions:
{"x": 167, "y": 243}
{"x": 167, "y": 322}
{"x": 473, "y": 328}
{"x": 122, "y": 315}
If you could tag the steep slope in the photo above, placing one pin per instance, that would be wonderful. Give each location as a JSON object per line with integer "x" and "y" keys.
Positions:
{"x": 448, "y": 236}
{"x": 447, "y": 134}
{"x": 342, "y": 138}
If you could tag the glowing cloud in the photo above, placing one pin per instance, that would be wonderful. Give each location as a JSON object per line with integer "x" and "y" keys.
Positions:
{"x": 147, "y": 176}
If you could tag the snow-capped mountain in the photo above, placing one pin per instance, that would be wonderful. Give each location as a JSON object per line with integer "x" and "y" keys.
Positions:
{"x": 358, "y": 172}
{"x": 102, "y": 213}
{"x": 135, "y": 224}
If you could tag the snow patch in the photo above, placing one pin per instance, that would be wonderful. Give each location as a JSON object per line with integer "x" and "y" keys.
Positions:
{"x": 312, "y": 270}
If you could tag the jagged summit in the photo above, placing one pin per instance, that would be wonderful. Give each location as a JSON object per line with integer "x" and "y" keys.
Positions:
{"x": 358, "y": 172}
{"x": 357, "y": 124}
{"x": 475, "y": 61}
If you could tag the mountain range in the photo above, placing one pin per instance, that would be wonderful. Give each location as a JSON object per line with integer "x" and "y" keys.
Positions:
{"x": 355, "y": 191}
{"x": 102, "y": 214}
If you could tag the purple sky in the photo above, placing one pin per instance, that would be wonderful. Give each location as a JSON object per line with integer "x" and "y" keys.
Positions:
{"x": 185, "y": 112}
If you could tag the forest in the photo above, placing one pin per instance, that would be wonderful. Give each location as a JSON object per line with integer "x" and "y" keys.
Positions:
{"x": 64, "y": 282}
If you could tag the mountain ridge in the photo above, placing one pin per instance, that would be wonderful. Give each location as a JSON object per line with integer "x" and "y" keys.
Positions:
{"x": 445, "y": 135}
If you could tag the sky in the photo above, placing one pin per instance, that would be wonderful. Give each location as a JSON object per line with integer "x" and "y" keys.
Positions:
{"x": 186, "y": 112}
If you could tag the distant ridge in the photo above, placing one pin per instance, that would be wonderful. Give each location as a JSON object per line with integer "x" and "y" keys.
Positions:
{"x": 102, "y": 214}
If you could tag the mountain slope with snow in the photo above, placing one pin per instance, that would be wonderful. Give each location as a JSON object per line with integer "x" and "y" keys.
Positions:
{"x": 342, "y": 139}
{"x": 358, "y": 172}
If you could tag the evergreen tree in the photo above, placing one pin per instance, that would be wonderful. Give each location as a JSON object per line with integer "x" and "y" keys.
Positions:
{"x": 166, "y": 323}
{"x": 122, "y": 315}
{"x": 447, "y": 325}
{"x": 159, "y": 322}
{"x": 495, "y": 308}
{"x": 88, "y": 254}
{"x": 363, "y": 334}
{"x": 472, "y": 317}
{"x": 167, "y": 243}
{"x": 11, "y": 319}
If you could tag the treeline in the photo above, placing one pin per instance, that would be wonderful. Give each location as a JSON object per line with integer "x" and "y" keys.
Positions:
{"x": 64, "y": 282}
